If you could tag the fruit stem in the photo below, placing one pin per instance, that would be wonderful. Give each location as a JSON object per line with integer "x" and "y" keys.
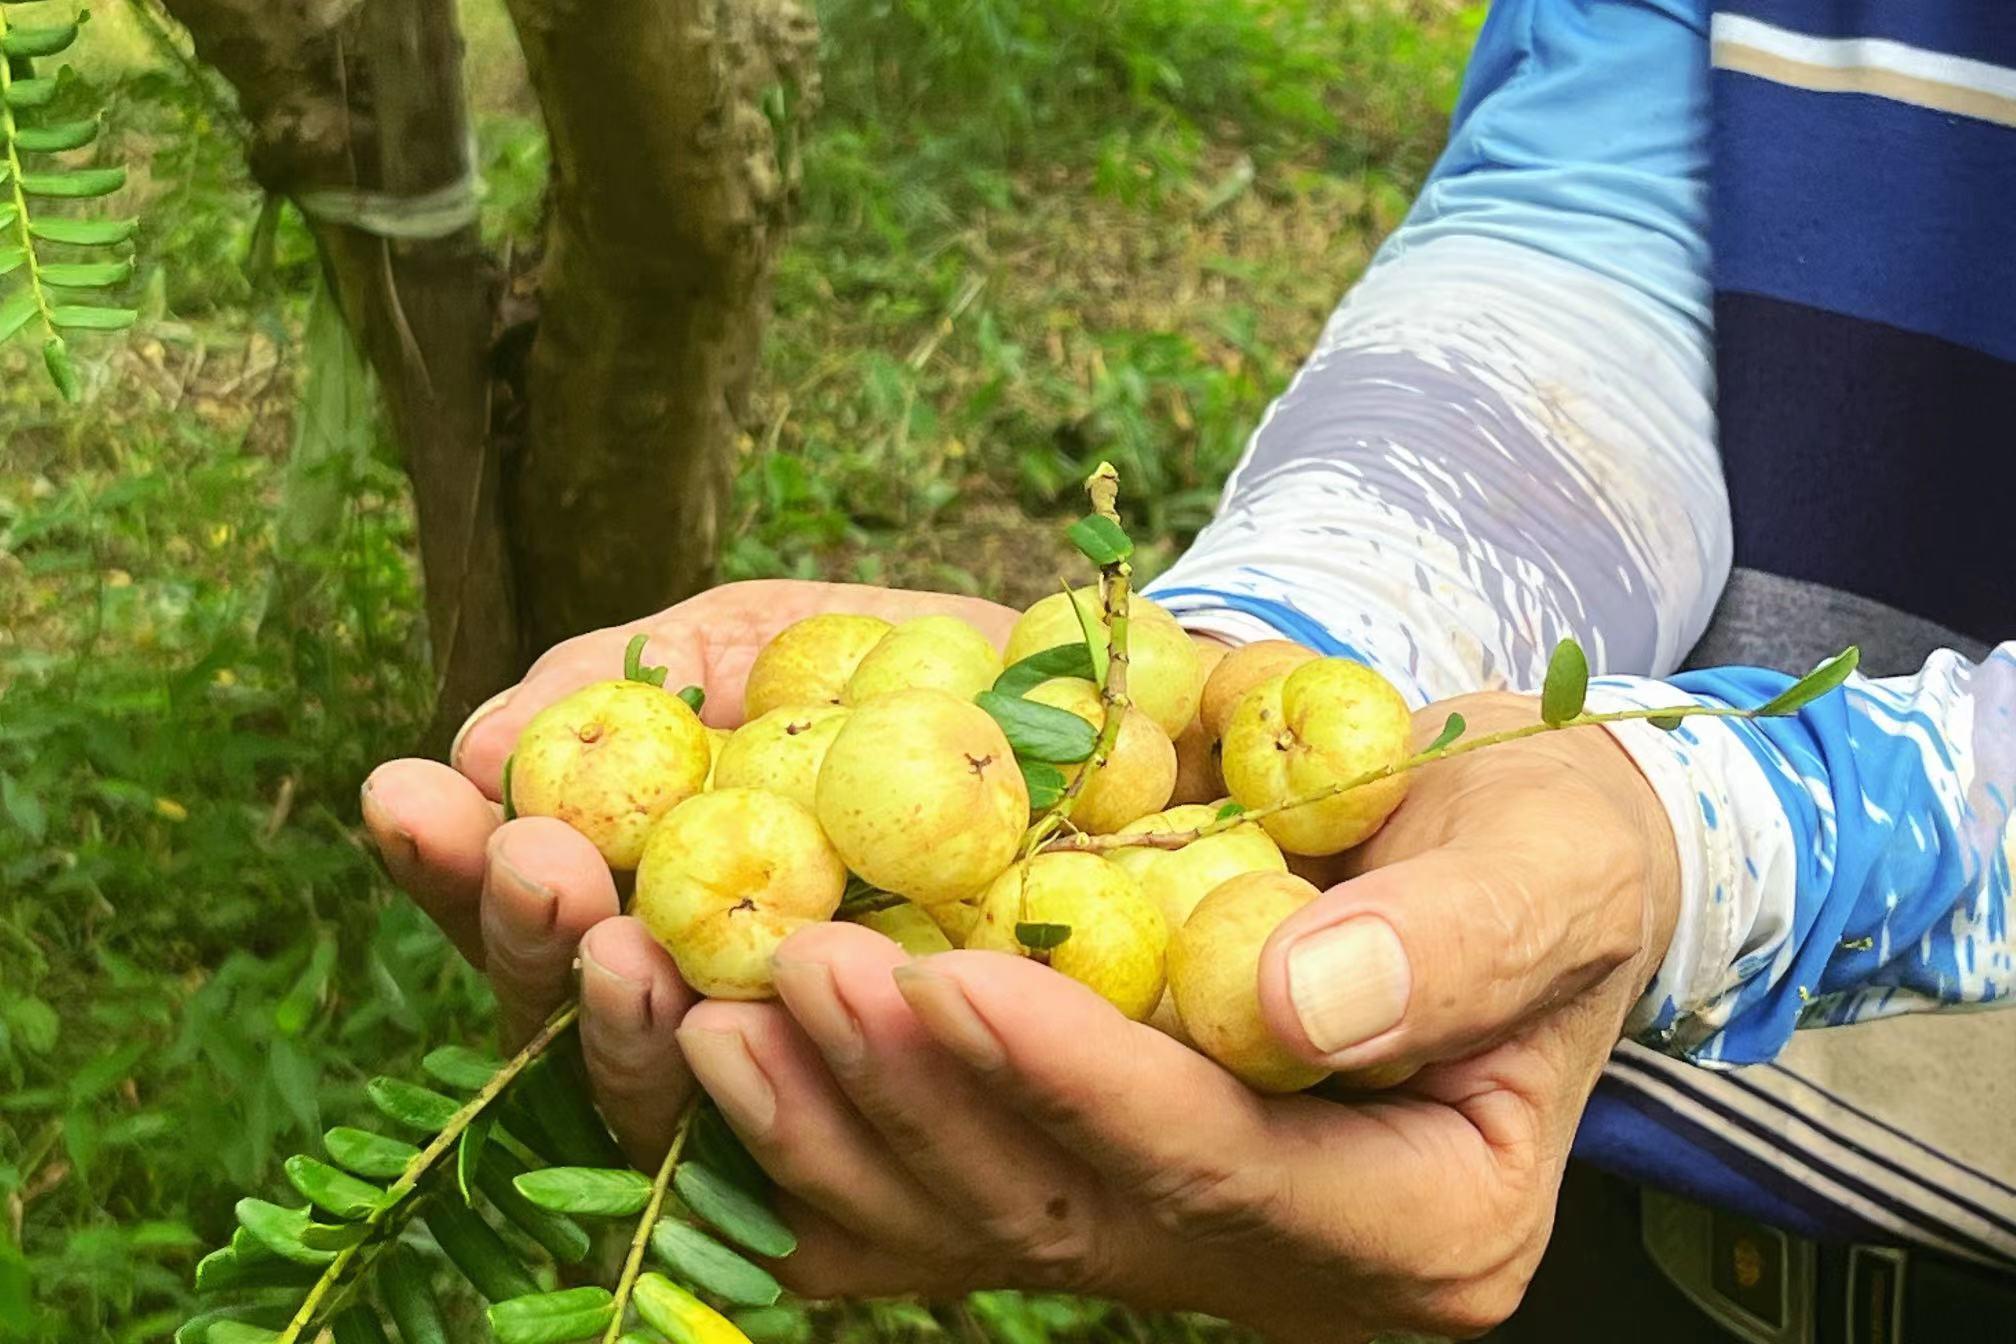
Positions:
{"x": 633, "y": 1263}
{"x": 1096, "y": 844}
{"x": 395, "y": 1199}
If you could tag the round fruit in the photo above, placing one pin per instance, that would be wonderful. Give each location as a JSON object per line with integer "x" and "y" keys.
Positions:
{"x": 940, "y": 653}
{"x": 922, "y": 797}
{"x": 780, "y": 751}
{"x": 1161, "y": 656}
{"x": 1198, "y": 779}
{"x": 1136, "y": 779}
{"x": 1326, "y": 722}
{"x": 809, "y": 661}
{"x": 1116, "y": 941}
{"x": 610, "y": 760}
{"x": 729, "y": 875}
{"x": 1239, "y": 672}
{"x": 1177, "y": 879}
{"x": 908, "y": 926}
{"x": 717, "y": 738}
{"x": 1214, "y": 977}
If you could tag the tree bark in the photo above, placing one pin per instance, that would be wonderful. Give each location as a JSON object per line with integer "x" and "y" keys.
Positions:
{"x": 347, "y": 95}
{"x": 669, "y": 190}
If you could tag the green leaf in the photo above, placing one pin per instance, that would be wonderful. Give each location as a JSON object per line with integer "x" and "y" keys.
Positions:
{"x": 1042, "y": 937}
{"x": 356, "y": 1325}
{"x": 369, "y": 1154}
{"x": 562, "y": 1237}
{"x": 225, "y": 1270}
{"x": 15, "y": 311}
{"x": 403, "y": 1284}
{"x": 64, "y": 135}
{"x": 677, "y": 1314}
{"x": 40, "y": 41}
{"x": 552, "y": 1318}
{"x": 556, "y": 1091}
{"x": 1666, "y": 723}
{"x": 1229, "y": 810}
{"x": 713, "y": 1144}
{"x": 695, "y": 698}
{"x": 1100, "y": 539}
{"x": 79, "y": 317}
{"x": 478, "y": 1252}
{"x": 705, "y": 1264}
{"x": 1814, "y": 684}
{"x": 77, "y": 184}
{"x": 8, "y": 214}
{"x": 411, "y": 1105}
{"x": 732, "y": 1211}
{"x": 633, "y": 663}
{"x": 504, "y": 789}
{"x": 1064, "y": 660}
{"x": 1092, "y": 625}
{"x": 56, "y": 359}
{"x": 26, "y": 93}
{"x": 1567, "y": 687}
{"x": 335, "y": 1236}
{"x": 87, "y": 274}
{"x": 84, "y": 232}
{"x": 279, "y": 1231}
{"x": 602, "y": 1192}
{"x": 240, "y": 1332}
{"x": 469, "y": 1151}
{"x": 11, "y": 259}
{"x": 334, "y": 1192}
{"x": 1040, "y": 732}
{"x": 1452, "y": 730}
{"x": 196, "y": 1330}
{"x": 1045, "y": 782}
{"x": 460, "y": 1067}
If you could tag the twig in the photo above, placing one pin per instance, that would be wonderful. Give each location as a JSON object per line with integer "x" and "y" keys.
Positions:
{"x": 633, "y": 1263}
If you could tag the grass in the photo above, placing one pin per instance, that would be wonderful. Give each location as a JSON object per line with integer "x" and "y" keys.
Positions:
{"x": 1032, "y": 236}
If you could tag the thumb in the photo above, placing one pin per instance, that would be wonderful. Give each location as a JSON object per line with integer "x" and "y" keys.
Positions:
{"x": 1441, "y": 955}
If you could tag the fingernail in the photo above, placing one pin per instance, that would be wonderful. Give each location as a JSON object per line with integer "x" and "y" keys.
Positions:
{"x": 1348, "y": 982}
{"x": 721, "y": 1061}
{"x": 808, "y": 990}
{"x": 632, "y": 996}
{"x": 396, "y": 844}
{"x": 942, "y": 1006}
{"x": 481, "y": 712}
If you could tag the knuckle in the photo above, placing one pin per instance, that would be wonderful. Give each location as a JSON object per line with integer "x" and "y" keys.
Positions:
{"x": 1213, "y": 1203}
{"x": 1058, "y": 1253}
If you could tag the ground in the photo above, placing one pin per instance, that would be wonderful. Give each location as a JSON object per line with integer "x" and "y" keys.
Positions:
{"x": 1031, "y": 237}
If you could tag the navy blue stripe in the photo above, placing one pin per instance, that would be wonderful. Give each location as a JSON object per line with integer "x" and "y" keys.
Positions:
{"x": 1882, "y": 1124}
{"x": 1982, "y": 30}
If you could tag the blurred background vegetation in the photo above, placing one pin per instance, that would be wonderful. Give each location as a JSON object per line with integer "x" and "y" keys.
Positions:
{"x": 1032, "y": 235}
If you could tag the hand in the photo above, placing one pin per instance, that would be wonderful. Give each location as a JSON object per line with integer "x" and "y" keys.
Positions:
{"x": 520, "y": 898}
{"x": 973, "y": 1120}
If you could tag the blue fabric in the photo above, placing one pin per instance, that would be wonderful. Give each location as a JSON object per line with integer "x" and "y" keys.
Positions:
{"x": 1981, "y": 30}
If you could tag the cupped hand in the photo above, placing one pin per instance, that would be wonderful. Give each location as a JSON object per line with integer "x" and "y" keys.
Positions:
{"x": 973, "y": 1120}
{"x": 520, "y": 898}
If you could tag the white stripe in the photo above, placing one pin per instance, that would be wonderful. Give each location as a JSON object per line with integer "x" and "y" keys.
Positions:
{"x": 1864, "y": 53}
{"x": 1685, "y": 1107}
{"x": 1798, "y": 1135}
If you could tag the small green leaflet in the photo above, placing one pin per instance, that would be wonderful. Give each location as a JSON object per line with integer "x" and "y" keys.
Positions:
{"x": 603, "y": 1192}
{"x": 475, "y": 1249}
{"x": 334, "y": 1192}
{"x": 77, "y": 185}
{"x": 27, "y": 93}
{"x": 732, "y": 1211}
{"x": 80, "y": 317}
{"x": 368, "y": 1154}
{"x": 1042, "y": 937}
{"x": 84, "y": 232}
{"x": 227, "y": 1331}
{"x": 1453, "y": 729}
{"x": 709, "y": 1266}
{"x": 403, "y": 1286}
{"x": 1100, "y": 539}
{"x": 633, "y": 663}
{"x": 1229, "y": 811}
{"x": 1814, "y": 684}
{"x": 469, "y": 1151}
{"x": 562, "y": 1237}
{"x": 225, "y": 1270}
{"x": 279, "y": 1231}
{"x": 40, "y": 41}
{"x": 1567, "y": 688}
{"x": 56, "y": 359}
{"x": 64, "y": 135}
{"x": 510, "y": 811}
{"x": 694, "y": 697}
{"x": 1666, "y": 723}
{"x": 334, "y": 1236}
{"x": 1063, "y": 660}
{"x": 15, "y": 310}
{"x": 87, "y": 274}
{"x": 460, "y": 1067}
{"x": 1092, "y": 625}
{"x": 1039, "y": 732}
{"x": 11, "y": 259}
{"x": 552, "y": 1318}
{"x": 1046, "y": 784}
{"x": 410, "y": 1104}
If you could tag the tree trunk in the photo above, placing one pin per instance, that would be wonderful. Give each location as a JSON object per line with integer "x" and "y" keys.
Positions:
{"x": 673, "y": 166}
{"x": 344, "y": 96}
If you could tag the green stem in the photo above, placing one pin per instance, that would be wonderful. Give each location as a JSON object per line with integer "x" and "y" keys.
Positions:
{"x": 1096, "y": 844}
{"x": 409, "y": 1179}
{"x": 633, "y": 1263}
{"x": 13, "y": 160}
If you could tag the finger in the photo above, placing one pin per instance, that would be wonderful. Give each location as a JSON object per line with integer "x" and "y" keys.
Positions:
{"x": 832, "y": 1261}
{"x": 1442, "y": 954}
{"x": 1031, "y": 1201}
{"x": 776, "y": 1093}
{"x": 632, "y": 1001}
{"x": 431, "y": 827}
{"x": 545, "y": 887}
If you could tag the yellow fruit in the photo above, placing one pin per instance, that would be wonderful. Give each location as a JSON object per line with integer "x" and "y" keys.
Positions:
{"x": 922, "y": 797}
{"x": 1214, "y": 977}
{"x": 908, "y": 926}
{"x": 1177, "y": 879}
{"x": 729, "y": 875}
{"x": 610, "y": 760}
{"x": 941, "y": 653}
{"x": 1117, "y": 938}
{"x": 679, "y": 1316}
{"x": 809, "y": 661}
{"x": 1137, "y": 777}
{"x": 1198, "y": 779}
{"x": 781, "y": 751}
{"x": 955, "y": 919}
{"x": 1239, "y": 672}
{"x": 716, "y": 739}
{"x": 1161, "y": 656}
{"x": 1326, "y": 722}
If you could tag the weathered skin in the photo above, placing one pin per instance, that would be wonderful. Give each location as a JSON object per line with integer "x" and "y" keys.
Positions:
{"x": 1198, "y": 778}
{"x": 1326, "y": 722}
{"x": 726, "y": 877}
{"x": 1239, "y": 672}
{"x": 921, "y": 795}
{"x": 1161, "y": 661}
{"x": 908, "y": 926}
{"x": 809, "y": 661}
{"x": 930, "y": 652}
{"x": 781, "y": 751}
{"x": 610, "y": 760}
{"x": 1117, "y": 937}
{"x": 1136, "y": 780}
{"x": 1214, "y": 978}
